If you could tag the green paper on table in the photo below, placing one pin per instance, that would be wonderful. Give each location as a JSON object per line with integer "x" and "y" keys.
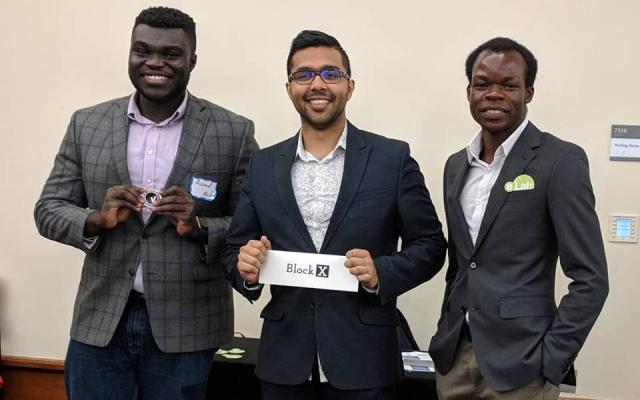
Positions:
{"x": 232, "y": 354}
{"x": 236, "y": 350}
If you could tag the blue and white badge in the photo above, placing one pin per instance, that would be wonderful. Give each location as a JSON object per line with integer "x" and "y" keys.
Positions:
{"x": 203, "y": 189}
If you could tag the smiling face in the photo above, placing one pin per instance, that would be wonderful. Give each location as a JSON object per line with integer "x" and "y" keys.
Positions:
{"x": 497, "y": 92}
{"x": 160, "y": 63}
{"x": 320, "y": 105}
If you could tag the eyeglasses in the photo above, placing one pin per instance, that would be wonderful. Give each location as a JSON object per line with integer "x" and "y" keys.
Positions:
{"x": 306, "y": 76}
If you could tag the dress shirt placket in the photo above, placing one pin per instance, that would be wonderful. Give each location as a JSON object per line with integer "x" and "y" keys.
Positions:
{"x": 149, "y": 164}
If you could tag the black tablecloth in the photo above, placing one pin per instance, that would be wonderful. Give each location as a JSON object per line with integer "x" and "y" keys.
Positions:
{"x": 235, "y": 378}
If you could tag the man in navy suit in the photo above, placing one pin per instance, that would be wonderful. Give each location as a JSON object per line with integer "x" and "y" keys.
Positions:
{"x": 333, "y": 189}
{"x": 516, "y": 200}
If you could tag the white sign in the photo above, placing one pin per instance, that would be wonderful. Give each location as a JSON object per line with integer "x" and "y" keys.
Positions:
{"x": 625, "y": 148}
{"x": 311, "y": 270}
{"x": 625, "y": 143}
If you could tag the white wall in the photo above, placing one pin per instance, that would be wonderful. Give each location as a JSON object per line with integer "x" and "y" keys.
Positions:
{"x": 407, "y": 59}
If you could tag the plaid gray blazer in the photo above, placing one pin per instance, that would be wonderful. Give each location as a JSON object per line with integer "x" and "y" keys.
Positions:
{"x": 188, "y": 298}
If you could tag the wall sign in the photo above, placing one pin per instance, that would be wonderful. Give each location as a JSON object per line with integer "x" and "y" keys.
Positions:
{"x": 625, "y": 143}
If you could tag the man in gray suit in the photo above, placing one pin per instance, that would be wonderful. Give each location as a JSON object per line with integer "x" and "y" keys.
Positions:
{"x": 145, "y": 185}
{"x": 516, "y": 200}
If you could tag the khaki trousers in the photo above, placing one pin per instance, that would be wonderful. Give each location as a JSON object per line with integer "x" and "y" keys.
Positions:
{"x": 464, "y": 382}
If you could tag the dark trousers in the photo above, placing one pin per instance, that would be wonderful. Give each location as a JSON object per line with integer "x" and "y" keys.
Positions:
{"x": 132, "y": 363}
{"x": 323, "y": 391}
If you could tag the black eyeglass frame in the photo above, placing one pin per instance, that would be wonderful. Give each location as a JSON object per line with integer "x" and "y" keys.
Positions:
{"x": 320, "y": 73}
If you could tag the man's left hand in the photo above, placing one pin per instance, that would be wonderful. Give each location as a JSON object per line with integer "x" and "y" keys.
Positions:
{"x": 361, "y": 265}
{"x": 178, "y": 205}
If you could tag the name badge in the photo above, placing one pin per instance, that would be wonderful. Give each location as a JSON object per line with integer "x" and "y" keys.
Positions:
{"x": 203, "y": 189}
{"x": 522, "y": 182}
{"x": 310, "y": 270}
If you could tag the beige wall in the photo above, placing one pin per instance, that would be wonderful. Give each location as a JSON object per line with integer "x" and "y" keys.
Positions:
{"x": 407, "y": 59}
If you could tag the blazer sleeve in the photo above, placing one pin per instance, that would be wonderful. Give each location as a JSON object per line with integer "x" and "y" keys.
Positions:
{"x": 245, "y": 226}
{"x": 582, "y": 259}
{"x": 452, "y": 251}
{"x": 61, "y": 212}
{"x": 423, "y": 244}
{"x": 218, "y": 226}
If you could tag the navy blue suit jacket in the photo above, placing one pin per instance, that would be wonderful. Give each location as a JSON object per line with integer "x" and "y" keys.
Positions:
{"x": 382, "y": 198}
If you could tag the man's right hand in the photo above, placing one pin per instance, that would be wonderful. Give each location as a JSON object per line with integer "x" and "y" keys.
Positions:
{"x": 119, "y": 203}
{"x": 251, "y": 257}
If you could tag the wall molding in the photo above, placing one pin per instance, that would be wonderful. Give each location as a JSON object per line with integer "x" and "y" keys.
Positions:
{"x": 29, "y": 378}
{"x": 32, "y": 363}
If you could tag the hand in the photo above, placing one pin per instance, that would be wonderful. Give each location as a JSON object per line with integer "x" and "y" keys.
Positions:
{"x": 178, "y": 205}
{"x": 251, "y": 257}
{"x": 361, "y": 265}
{"x": 118, "y": 204}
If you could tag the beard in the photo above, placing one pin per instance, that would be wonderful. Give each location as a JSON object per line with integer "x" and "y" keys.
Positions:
{"x": 321, "y": 122}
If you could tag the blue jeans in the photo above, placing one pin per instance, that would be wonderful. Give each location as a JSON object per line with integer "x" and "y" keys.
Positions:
{"x": 132, "y": 367}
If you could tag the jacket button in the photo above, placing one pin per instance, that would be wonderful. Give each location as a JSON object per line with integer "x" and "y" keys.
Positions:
{"x": 311, "y": 306}
{"x": 132, "y": 272}
{"x": 473, "y": 265}
{"x": 144, "y": 235}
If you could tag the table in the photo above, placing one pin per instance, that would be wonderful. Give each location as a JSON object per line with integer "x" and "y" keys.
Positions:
{"x": 236, "y": 379}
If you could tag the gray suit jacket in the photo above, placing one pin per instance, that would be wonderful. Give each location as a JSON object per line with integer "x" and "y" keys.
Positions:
{"x": 507, "y": 280}
{"x": 188, "y": 298}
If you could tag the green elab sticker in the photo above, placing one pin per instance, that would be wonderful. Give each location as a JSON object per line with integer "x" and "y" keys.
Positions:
{"x": 522, "y": 182}
{"x": 232, "y": 356}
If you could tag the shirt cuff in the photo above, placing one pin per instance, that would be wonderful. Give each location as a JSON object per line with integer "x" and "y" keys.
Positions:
{"x": 253, "y": 287}
{"x": 90, "y": 242}
{"x": 372, "y": 291}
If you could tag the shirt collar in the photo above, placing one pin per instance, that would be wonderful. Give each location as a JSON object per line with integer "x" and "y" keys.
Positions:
{"x": 134, "y": 114}
{"x": 475, "y": 146}
{"x": 305, "y": 156}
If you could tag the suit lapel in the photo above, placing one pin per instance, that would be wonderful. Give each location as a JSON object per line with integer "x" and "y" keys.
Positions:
{"x": 120, "y": 135}
{"x": 283, "y": 163}
{"x": 520, "y": 156}
{"x": 355, "y": 162}
{"x": 195, "y": 124}
{"x": 459, "y": 170}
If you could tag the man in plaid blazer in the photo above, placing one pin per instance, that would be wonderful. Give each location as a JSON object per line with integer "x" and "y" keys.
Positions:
{"x": 153, "y": 302}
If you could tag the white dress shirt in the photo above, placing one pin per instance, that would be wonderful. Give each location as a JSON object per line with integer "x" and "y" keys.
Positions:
{"x": 480, "y": 180}
{"x": 316, "y": 184}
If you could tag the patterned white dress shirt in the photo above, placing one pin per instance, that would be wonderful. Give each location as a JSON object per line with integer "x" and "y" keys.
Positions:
{"x": 316, "y": 184}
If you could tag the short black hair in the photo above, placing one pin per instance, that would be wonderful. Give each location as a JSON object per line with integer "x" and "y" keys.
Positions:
{"x": 165, "y": 17}
{"x": 308, "y": 38}
{"x": 501, "y": 45}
